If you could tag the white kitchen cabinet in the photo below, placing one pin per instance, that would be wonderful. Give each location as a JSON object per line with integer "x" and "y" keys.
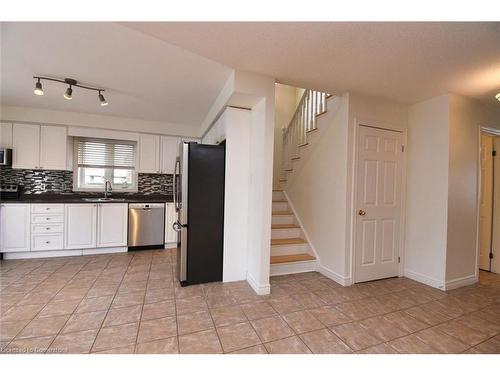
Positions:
{"x": 169, "y": 151}
{"x": 47, "y": 227}
{"x": 112, "y": 223}
{"x": 149, "y": 153}
{"x": 26, "y": 146}
{"x": 80, "y": 229}
{"x": 53, "y": 147}
{"x": 14, "y": 227}
{"x": 170, "y": 218}
{"x": 39, "y": 147}
{"x": 6, "y": 134}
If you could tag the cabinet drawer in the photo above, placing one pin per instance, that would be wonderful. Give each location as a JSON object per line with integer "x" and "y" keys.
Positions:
{"x": 46, "y": 242}
{"x": 46, "y": 229}
{"x": 39, "y": 219}
{"x": 47, "y": 208}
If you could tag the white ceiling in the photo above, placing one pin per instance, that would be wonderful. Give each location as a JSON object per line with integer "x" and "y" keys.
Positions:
{"x": 144, "y": 77}
{"x": 406, "y": 62}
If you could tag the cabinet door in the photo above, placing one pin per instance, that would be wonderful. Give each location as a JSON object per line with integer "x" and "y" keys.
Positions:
{"x": 80, "y": 226}
{"x": 170, "y": 218}
{"x": 112, "y": 222}
{"x": 6, "y": 134}
{"x": 149, "y": 153}
{"x": 53, "y": 145}
{"x": 14, "y": 227}
{"x": 169, "y": 150}
{"x": 25, "y": 146}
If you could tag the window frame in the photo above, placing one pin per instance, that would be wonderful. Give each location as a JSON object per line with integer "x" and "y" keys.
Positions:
{"x": 133, "y": 188}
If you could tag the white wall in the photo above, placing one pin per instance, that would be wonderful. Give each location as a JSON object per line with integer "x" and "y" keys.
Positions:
{"x": 234, "y": 126}
{"x": 285, "y": 106}
{"x": 466, "y": 117}
{"x": 321, "y": 186}
{"x": 256, "y": 92}
{"x": 427, "y": 191}
{"x": 45, "y": 116}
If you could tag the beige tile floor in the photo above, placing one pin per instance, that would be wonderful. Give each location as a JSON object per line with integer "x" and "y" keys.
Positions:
{"x": 129, "y": 303}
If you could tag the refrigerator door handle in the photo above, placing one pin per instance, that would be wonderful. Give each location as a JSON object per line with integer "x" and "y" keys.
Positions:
{"x": 176, "y": 188}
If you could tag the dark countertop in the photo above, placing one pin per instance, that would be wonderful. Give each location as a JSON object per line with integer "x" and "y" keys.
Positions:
{"x": 78, "y": 198}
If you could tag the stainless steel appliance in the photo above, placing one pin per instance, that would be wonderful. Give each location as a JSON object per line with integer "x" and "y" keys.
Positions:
{"x": 199, "y": 201}
{"x": 5, "y": 156}
{"x": 146, "y": 225}
{"x": 10, "y": 191}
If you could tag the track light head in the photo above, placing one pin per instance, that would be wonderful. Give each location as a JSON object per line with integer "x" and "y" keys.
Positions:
{"x": 38, "y": 88}
{"x": 68, "y": 94}
{"x": 103, "y": 101}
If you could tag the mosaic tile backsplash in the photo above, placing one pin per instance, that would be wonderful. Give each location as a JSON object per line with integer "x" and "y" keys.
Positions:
{"x": 43, "y": 181}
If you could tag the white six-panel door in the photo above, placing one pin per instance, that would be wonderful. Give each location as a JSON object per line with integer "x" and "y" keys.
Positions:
{"x": 378, "y": 204}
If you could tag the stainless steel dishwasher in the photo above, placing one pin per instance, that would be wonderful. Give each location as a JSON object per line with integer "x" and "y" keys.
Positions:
{"x": 146, "y": 225}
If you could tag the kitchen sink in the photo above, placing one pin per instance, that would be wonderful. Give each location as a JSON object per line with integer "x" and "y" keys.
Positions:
{"x": 103, "y": 199}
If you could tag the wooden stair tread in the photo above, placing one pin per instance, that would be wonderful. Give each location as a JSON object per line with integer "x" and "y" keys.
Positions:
{"x": 281, "y": 213}
{"x": 284, "y": 226}
{"x": 287, "y": 241}
{"x": 275, "y": 259}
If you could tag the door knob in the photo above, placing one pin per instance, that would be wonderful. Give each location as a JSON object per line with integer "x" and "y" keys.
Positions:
{"x": 361, "y": 212}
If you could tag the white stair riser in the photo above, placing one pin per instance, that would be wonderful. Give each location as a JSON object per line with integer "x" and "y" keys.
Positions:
{"x": 278, "y": 196}
{"x": 293, "y": 267}
{"x": 289, "y": 249}
{"x": 286, "y": 233}
{"x": 280, "y": 206}
{"x": 282, "y": 219}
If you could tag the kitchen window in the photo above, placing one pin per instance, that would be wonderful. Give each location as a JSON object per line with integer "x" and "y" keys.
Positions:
{"x": 99, "y": 160}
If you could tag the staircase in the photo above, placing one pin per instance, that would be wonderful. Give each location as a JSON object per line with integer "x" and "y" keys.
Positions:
{"x": 290, "y": 251}
{"x": 311, "y": 107}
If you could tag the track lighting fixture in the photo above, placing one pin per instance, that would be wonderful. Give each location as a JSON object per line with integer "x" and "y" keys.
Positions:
{"x": 68, "y": 94}
{"x": 38, "y": 88}
{"x": 103, "y": 101}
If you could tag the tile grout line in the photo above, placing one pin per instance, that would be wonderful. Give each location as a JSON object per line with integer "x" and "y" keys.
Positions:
{"x": 142, "y": 307}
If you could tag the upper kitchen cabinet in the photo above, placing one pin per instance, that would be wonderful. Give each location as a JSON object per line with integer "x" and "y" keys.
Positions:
{"x": 149, "y": 153}
{"x": 39, "y": 147}
{"x": 53, "y": 147}
{"x": 169, "y": 150}
{"x": 5, "y": 134}
{"x": 26, "y": 146}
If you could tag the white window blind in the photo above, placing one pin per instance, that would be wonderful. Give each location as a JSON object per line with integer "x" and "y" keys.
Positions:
{"x": 101, "y": 153}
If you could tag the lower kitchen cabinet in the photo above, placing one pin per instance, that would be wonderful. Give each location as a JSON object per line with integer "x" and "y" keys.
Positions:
{"x": 112, "y": 221}
{"x": 80, "y": 226}
{"x": 14, "y": 227}
{"x": 170, "y": 218}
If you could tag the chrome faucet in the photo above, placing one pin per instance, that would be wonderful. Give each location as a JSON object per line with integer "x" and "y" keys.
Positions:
{"x": 107, "y": 188}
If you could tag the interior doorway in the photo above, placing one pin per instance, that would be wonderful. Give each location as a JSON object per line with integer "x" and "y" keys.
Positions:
{"x": 489, "y": 202}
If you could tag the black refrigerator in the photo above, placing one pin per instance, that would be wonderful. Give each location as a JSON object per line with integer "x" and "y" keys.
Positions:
{"x": 199, "y": 201}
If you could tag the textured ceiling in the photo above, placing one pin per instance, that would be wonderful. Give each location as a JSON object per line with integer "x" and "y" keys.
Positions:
{"x": 406, "y": 62}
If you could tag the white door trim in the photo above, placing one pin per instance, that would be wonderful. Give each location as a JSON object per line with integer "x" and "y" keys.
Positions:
{"x": 481, "y": 130}
{"x": 383, "y": 126}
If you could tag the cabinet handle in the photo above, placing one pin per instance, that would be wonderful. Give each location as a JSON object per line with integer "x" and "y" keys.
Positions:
{"x": 47, "y": 228}
{"x": 47, "y": 242}
{"x": 47, "y": 218}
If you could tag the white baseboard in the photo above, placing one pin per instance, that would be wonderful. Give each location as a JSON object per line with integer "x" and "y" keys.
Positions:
{"x": 293, "y": 267}
{"x": 105, "y": 250}
{"x": 259, "y": 289}
{"x": 297, "y": 217}
{"x": 171, "y": 245}
{"x": 460, "y": 282}
{"x": 342, "y": 280}
{"x": 42, "y": 254}
{"x": 64, "y": 253}
{"x": 424, "y": 279}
